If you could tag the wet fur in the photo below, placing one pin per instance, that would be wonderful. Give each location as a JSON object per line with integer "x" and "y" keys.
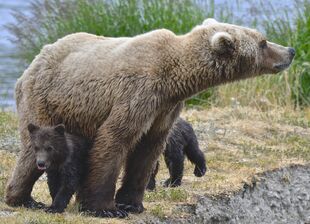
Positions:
{"x": 68, "y": 167}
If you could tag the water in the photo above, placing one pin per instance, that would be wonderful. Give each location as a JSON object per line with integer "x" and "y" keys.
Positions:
{"x": 10, "y": 70}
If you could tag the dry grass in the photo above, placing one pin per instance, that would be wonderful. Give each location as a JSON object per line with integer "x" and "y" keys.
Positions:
{"x": 238, "y": 142}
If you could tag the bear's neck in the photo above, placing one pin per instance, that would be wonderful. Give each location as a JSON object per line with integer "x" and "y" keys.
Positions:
{"x": 189, "y": 75}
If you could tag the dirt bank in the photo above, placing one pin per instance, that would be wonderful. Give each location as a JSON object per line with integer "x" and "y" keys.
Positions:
{"x": 278, "y": 196}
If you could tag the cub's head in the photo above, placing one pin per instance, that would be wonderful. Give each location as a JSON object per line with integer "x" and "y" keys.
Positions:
{"x": 233, "y": 52}
{"x": 49, "y": 145}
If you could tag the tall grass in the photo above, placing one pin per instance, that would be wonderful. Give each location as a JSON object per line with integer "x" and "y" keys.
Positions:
{"x": 50, "y": 20}
{"x": 292, "y": 88}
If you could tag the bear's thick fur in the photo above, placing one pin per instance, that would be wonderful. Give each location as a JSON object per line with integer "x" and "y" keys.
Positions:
{"x": 62, "y": 156}
{"x": 124, "y": 95}
{"x": 181, "y": 141}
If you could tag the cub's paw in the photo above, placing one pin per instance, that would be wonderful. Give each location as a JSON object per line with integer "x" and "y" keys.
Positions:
{"x": 53, "y": 209}
{"x": 200, "y": 171}
{"x": 169, "y": 183}
{"x": 108, "y": 213}
{"x": 151, "y": 186}
{"x": 32, "y": 204}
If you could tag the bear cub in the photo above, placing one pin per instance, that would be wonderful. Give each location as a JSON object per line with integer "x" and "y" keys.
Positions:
{"x": 181, "y": 141}
{"x": 62, "y": 156}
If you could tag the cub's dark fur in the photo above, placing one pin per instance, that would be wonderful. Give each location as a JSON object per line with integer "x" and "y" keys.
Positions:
{"x": 62, "y": 156}
{"x": 181, "y": 141}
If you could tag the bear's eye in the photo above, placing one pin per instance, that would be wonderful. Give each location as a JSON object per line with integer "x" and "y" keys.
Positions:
{"x": 36, "y": 148}
{"x": 263, "y": 44}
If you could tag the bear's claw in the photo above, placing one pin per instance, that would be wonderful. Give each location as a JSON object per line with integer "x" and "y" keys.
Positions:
{"x": 52, "y": 209}
{"x": 131, "y": 208}
{"x": 108, "y": 213}
{"x": 169, "y": 183}
{"x": 32, "y": 204}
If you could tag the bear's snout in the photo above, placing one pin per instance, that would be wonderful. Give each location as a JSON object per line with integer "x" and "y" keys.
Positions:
{"x": 41, "y": 165}
{"x": 292, "y": 52}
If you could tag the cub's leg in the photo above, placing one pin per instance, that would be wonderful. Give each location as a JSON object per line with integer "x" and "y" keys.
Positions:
{"x": 174, "y": 159}
{"x": 63, "y": 188}
{"x": 54, "y": 182}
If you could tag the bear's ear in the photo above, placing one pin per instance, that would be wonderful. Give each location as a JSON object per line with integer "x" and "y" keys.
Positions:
{"x": 222, "y": 43}
{"x": 60, "y": 129}
{"x": 209, "y": 21}
{"x": 32, "y": 128}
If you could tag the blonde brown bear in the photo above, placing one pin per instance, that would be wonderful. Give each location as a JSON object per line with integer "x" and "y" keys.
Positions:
{"x": 124, "y": 94}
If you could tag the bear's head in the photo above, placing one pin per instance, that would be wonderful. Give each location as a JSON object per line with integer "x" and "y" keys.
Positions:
{"x": 233, "y": 52}
{"x": 49, "y": 145}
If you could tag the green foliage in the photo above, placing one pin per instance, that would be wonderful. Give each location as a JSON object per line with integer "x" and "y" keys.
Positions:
{"x": 50, "y": 20}
{"x": 169, "y": 194}
{"x": 296, "y": 33}
{"x": 201, "y": 99}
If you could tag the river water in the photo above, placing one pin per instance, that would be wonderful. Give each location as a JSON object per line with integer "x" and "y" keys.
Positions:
{"x": 10, "y": 69}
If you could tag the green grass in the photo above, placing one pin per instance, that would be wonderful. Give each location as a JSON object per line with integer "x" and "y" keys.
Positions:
{"x": 292, "y": 87}
{"x": 53, "y": 19}
{"x": 8, "y": 124}
{"x": 170, "y": 194}
{"x": 50, "y": 20}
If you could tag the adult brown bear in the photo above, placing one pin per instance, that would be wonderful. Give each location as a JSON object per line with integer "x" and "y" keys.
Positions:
{"x": 124, "y": 95}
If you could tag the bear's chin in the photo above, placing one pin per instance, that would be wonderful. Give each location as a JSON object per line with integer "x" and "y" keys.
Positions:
{"x": 281, "y": 67}
{"x": 42, "y": 168}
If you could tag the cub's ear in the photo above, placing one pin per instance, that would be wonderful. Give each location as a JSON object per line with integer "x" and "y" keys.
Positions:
{"x": 32, "y": 128}
{"x": 222, "y": 42}
{"x": 209, "y": 21}
{"x": 60, "y": 129}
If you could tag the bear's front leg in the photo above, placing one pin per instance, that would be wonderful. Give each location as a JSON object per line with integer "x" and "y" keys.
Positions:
{"x": 53, "y": 181}
{"x": 62, "y": 184}
{"x": 62, "y": 199}
{"x": 19, "y": 187}
{"x": 114, "y": 139}
{"x": 140, "y": 162}
{"x": 152, "y": 181}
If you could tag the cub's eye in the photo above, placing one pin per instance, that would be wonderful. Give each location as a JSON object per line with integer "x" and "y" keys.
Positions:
{"x": 36, "y": 148}
{"x": 263, "y": 44}
{"x": 49, "y": 148}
